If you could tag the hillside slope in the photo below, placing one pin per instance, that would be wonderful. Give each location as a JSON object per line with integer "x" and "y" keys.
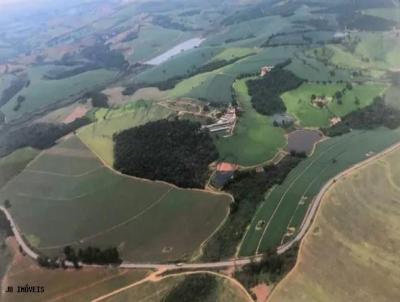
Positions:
{"x": 352, "y": 251}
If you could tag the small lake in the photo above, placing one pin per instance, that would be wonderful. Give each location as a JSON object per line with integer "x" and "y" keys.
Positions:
{"x": 303, "y": 140}
{"x": 189, "y": 44}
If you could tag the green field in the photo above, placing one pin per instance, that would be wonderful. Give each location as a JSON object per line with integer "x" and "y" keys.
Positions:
{"x": 255, "y": 140}
{"x": 98, "y": 136}
{"x": 392, "y": 13}
{"x": 298, "y": 102}
{"x": 153, "y": 41}
{"x": 41, "y": 92}
{"x": 284, "y": 206}
{"x": 351, "y": 252}
{"x": 75, "y": 200}
{"x": 14, "y": 163}
{"x": 226, "y": 291}
{"x": 179, "y": 65}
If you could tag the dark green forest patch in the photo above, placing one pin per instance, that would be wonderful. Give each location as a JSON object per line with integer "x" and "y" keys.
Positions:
{"x": 177, "y": 152}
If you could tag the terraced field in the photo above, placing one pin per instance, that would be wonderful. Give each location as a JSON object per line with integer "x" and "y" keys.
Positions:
{"x": 282, "y": 212}
{"x": 255, "y": 140}
{"x": 74, "y": 200}
{"x": 351, "y": 252}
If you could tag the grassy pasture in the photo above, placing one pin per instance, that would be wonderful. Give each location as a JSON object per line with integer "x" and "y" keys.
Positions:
{"x": 267, "y": 56}
{"x": 234, "y": 52}
{"x": 351, "y": 251}
{"x": 41, "y": 93}
{"x": 216, "y": 88}
{"x": 309, "y": 68}
{"x": 298, "y": 102}
{"x": 154, "y": 40}
{"x": 392, "y": 13}
{"x": 14, "y": 163}
{"x": 74, "y": 199}
{"x": 382, "y": 49}
{"x": 98, "y": 136}
{"x": 392, "y": 96}
{"x": 285, "y": 206}
{"x": 226, "y": 291}
{"x": 250, "y": 33}
{"x": 179, "y": 65}
{"x": 255, "y": 140}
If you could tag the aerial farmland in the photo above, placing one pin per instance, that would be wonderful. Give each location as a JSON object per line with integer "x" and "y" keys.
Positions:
{"x": 199, "y": 150}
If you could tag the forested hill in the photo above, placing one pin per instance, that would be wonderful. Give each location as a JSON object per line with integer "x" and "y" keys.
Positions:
{"x": 176, "y": 151}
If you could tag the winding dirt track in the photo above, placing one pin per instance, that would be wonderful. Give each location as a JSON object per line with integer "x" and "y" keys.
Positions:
{"x": 237, "y": 262}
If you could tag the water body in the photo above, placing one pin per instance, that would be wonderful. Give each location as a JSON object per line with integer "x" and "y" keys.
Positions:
{"x": 303, "y": 140}
{"x": 189, "y": 44}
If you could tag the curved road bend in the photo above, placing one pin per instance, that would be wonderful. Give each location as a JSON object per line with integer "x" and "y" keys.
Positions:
{"x": 220, "y": 264}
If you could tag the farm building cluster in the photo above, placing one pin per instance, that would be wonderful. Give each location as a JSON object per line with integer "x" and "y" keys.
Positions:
{"x": 226, "y": 123}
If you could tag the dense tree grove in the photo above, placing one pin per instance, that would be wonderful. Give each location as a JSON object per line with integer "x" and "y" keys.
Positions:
{"x": 375, "y": 115}
{"x": 177, "y": 151}
{"x": 92, "y": 255}
{"x": 5, "y": 226}
{"x": 8, "y": 93}
{"x": 265, "y": 92}
{"x": 99, "y": 99}
{"x": 194, "y": 288}
{"x": 39, "y": 135}
{"x": 248, "y": 189}
{"x": 270, "y": 269}
{"x": 51, "y": 75}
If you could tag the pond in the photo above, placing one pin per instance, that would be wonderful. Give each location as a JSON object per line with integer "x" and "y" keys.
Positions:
{"x": 189, "y": 44}
{"x": 303, "y": 140}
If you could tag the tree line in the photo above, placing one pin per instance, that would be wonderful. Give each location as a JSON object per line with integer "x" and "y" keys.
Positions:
{"x": 38, "y": 135}
{"x": 170, "y": 83}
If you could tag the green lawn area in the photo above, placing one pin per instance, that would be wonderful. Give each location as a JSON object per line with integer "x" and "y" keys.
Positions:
{"x": 98, "y": 136}
{"x": 153, "y": 41}
{"x": 179, "y": 65}
{"x": 41, "y": 92}
{"x": 234, "y": 52}
{"x": 13, "y": 164}
{"x": 298, "y": 102}
{"x": 285, "y": 206}
{"x": 75, "y": 200}
{"x": 255, "y": 140}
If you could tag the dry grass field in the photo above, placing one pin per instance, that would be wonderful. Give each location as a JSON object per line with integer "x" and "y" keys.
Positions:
{"x": 62, "y": 285}
{"x": 352, "y": 251}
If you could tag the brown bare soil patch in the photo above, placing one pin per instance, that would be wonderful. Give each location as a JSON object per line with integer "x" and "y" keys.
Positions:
{"x": 78, "y": 112}
{"x": 261, "y": 291}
